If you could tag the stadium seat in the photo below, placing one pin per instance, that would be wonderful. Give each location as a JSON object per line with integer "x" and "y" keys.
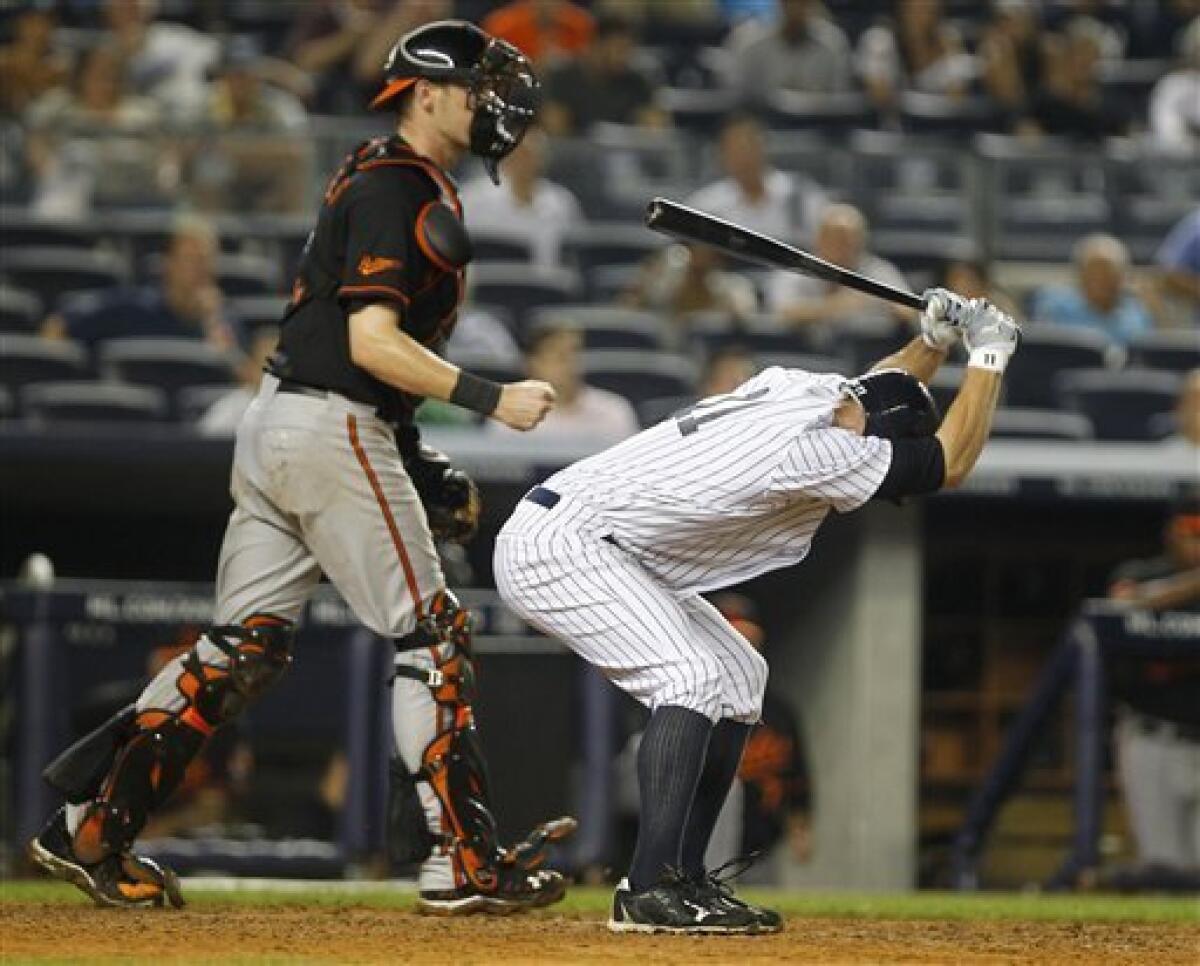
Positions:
{"x": 1121, "y": 405}
{"x": 759, "y": 334}
{"x": 93, "y": 402}
{"x": 867, "y": 344}
{"x": 192, "y": 402}
{"x": 28, "y": 358}
{"x": 922, "y": 113}
{"x": 20, "y": 311}
{"x": 639, "y": 376}
{"x": 1174, "y": 350}
{"x": 1024, "y": 423}
{"x": 21, "y": 229}
{"x": 237, "y": 275}
{"x": 790, "y": 110}
{"x": 496, "y": 246}
{"x": 519, "y": 287}
{"x": 604, "y": 326}
{"x": 808, "y": 361}
{"x": 487, "y": 366}
{"x": 651, "y": 411}
{"x": 697, "y": 111}
{"x": 52, "y": 272}
{"x": 1046, "y": 350}
{"x": 589, "y": 246}
{"x": 607, "y": 283}
{"x": 169, "y": 364}
{"x": 256, "y": 311}
{"x": 945, "y": 384}
{"x": 7, "y": 403}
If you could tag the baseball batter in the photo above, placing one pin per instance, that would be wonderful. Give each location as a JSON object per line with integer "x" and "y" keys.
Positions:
{"x": 329, "y": 477}
{"x": 612, "y": 553}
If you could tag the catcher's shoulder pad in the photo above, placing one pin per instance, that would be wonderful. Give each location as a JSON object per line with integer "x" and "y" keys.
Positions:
{"x": 442, "y": 237}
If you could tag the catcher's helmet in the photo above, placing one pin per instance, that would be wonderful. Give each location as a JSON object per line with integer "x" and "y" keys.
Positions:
{"x": 503, "y": 87}
{"x": 897, "y": 404}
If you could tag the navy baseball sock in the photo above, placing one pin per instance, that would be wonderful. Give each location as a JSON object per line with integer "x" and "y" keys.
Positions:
{"x": 669, "y": 762}
{"x": 725, "y": 747}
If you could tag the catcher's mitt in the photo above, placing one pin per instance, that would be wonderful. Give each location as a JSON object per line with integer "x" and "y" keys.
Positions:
{"x": 451, "y": 499}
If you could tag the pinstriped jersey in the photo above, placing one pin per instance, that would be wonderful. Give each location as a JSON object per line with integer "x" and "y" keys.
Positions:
{"x": 735, "y": 485}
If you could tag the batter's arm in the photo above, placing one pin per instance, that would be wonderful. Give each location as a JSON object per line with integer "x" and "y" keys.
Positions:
{"x": 968, "y": 423}
{"x": 918, "y": 359}
{"x": 941, "y": 327}
{"x": 379, "y": 346}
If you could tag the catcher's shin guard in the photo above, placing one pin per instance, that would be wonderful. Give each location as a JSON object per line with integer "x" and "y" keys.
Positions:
{"x": 454, "y": 767}
{"x": 133, "y": 762}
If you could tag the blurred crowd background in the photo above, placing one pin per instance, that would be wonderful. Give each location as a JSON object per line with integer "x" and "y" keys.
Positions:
{"x": 161, "y": 162}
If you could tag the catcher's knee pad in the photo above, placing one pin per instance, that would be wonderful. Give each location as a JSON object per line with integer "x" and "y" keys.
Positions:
{"x": 132, "y": 763}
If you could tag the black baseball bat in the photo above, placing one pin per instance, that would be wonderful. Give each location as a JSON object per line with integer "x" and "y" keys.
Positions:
{"x": 688, "y": 224}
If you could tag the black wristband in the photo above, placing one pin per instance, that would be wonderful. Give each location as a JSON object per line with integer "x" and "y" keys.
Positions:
{"x": 475, "y": 393}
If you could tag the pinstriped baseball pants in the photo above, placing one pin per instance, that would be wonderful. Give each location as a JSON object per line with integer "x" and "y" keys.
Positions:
{"x": 554, "y": 568}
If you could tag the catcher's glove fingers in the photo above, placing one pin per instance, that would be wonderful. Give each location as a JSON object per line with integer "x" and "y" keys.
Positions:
{"x": 454, "y": 510}
{"x": 942, "y": 320}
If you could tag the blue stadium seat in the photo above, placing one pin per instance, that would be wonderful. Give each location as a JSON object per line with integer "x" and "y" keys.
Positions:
{"x": 1047, "y": 350}
{"x": 922, "y": 113}
{"x": 192, "y": 402}
{"x": 604, "y": 326}
{"x": 496, "y": 246}
{"x": 93, "y": 402}
{"x": 759, "y": 334}
{"x": 652, "y": 411}
{"x": 1121, "y": 405}
{"x": 237, "y": 275}
{"x": 788, "y": 110}
{"x": 1175, "y": 350}
{"x": 865, "y": 345}
{"x": 20, "y": 311}
{"x": 520, "y": 287}
{"x": 1024, "y": 423}
{"x": 256, "y": 311}
{"x": 28, "y": 358}
{"x": 589, "y": 246}
{"x": 695, "y": 110}
{"x": 639, "y": 376}
{"x": 169, "y": 364}
{"x": 52, "y": 272}
{"x": 21, "y": 229}
{"x": 607, "y": 283}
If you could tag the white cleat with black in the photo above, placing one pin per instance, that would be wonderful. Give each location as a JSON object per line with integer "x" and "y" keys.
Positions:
{"x": 674, "y": 906}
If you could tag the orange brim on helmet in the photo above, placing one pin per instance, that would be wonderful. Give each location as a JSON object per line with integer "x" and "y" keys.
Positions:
{"x": 398, "y": 86}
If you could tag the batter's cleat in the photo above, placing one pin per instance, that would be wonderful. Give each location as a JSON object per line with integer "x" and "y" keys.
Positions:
{"x": 717, "y": 892}
{"x": 676, "y": 906}
{"x": 123, "y": 880}
{"x": 519, "y": 891}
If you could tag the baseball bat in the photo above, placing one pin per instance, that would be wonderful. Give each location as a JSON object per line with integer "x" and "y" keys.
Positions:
{"x": 688, "y": 224}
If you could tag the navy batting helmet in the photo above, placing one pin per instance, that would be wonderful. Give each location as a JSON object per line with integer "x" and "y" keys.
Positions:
{"x": 897, "y": 404}
{"x": 504, "y": 90}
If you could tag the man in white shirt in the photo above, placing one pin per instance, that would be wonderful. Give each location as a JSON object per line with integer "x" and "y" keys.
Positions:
{"x": 801, "y": 300}
{"x": 755, "y": 195}
{"x": 1175, "y": 100}
{"x": 553, "y": 355}
{"x": 524, "y": 204}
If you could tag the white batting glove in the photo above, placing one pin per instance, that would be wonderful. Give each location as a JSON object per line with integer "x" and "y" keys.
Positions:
{"x": 991, "y": 336}
{"x": 942, "y": 320}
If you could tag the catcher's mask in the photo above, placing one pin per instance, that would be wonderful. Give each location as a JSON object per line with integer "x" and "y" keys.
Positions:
{"x": 504, "y": 91}
{"x": 897, "y": 404}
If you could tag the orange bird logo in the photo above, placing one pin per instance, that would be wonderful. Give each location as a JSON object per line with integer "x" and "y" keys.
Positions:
{"x": 374, "y": 264}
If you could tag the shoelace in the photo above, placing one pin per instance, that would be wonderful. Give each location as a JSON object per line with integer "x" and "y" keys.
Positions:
{"x": 720, "y": 878}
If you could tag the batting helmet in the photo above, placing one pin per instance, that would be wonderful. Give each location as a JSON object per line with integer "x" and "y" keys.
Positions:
{"x": 897, "y": 404}
{"x": 502, "y": 85}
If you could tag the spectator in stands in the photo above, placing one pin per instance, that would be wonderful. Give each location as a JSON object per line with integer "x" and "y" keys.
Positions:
{"x": 1100, "y": 298}
{"x": 544, "y": 30}
{"x": 1175, "y": 100}
{"x": 804, "y": 51}
{"x": 725, "y": 370}
{"x": 1186, "y": 433}
{"x": 691, "y": 278}
{"x": 554, "y": 354}
{"x": 804, "y": 301}
{"x": 87, "y": 140}
{"x": 1179, "y": 274}
{"x": 30, "y": 64}
{"x": 524, "y": 204}
{"x": 1158, "y": 728}
{"x": 1010, "y": 55}
{"x": 970, "y": 278}
{"x": 1070, "y": 103}
{"x": 753, "y": 193}
{"x": 371, "y": 48}
{"x": 187, "y": 303}
{"x": 324, "y": 42}
{"x": 602, "y": 84}
{"x": 267, "y": 171}
{"x": 166, "y": 61}
{"x": 919, "y": 50}
{"x": 222, "y": 417}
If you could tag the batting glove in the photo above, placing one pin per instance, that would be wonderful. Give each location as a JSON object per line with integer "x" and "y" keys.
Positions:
{"x": 942, "y": 320}
{"x": 991, "y": 336}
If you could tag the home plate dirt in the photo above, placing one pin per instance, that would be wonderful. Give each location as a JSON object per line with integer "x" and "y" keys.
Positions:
{"x": 358, "y": 934}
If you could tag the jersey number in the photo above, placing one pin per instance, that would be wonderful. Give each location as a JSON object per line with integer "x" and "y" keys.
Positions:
{"x": 714, "y": 407}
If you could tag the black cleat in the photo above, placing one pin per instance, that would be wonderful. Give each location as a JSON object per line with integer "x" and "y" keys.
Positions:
{"x": 717, "y": 892}
{"x": 676, "y": 906}
{"x": 124, "y": 880}
{"x": 518, "y": 891}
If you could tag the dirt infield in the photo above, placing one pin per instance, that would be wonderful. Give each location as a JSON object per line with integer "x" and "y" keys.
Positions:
{"x": 219, "y": 932}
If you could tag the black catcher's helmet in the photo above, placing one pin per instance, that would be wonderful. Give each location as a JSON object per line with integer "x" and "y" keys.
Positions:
{"x": 897, "y": 404}
{"x": 504, "y": 90}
